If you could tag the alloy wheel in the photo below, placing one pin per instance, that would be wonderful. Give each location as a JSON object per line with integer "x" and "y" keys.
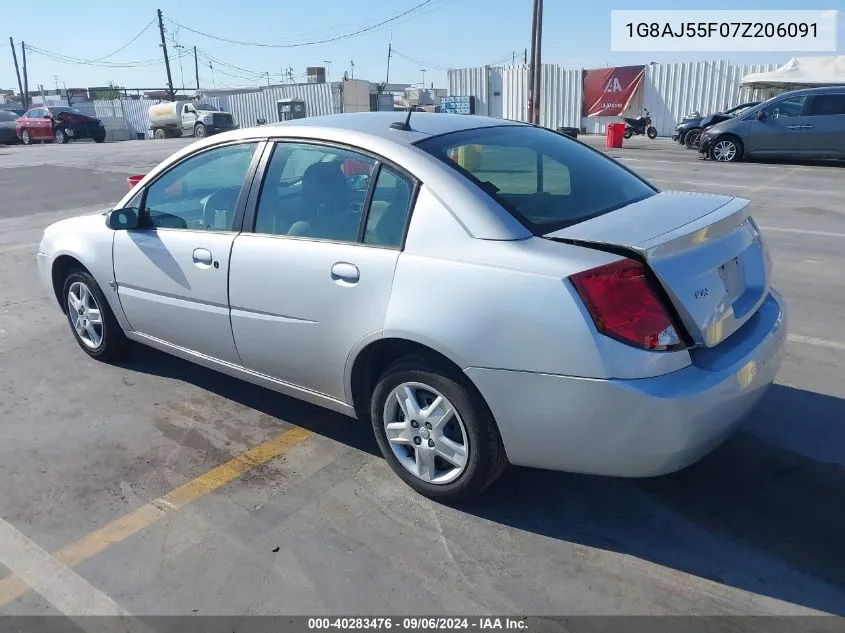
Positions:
{"x": 426, "y": 433}
{"x": 85, "y": 315}
{"x": 724, "y": 151}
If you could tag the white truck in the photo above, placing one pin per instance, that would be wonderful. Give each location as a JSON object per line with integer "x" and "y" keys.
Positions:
{"x": 186, "y": 118}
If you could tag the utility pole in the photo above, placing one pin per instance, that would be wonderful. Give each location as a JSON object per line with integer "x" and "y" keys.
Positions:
{"x": 535, "y": 70}
{"x": 26, "y": 101}
{"x": 17, "y": 70}
{"x": 166, "y": 60}
{"x": 525, "y": 56}
{"x": 196, "y": 68}
{"x": 352, "y": 68}
{"x": 389, "y": 53}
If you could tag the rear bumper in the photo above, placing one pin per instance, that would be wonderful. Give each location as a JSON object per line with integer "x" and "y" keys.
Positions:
{"x": 636, "y": 428}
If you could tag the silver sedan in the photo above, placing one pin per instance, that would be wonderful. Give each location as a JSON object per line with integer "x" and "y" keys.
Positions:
{"x": 484, "y": 292}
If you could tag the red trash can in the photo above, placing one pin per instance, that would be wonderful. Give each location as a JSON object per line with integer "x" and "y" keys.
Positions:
{"x": 615, "y": 134}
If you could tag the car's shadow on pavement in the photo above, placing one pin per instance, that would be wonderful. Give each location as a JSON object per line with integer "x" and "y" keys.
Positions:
{"x": 764, "y": 513}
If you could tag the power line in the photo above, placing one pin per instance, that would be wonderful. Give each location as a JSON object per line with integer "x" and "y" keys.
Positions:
{"x": 417, "y": 61}
{"x": 313, "y": 42}
{"x": 67, "y": 59}
{"x": 115, "y": 52}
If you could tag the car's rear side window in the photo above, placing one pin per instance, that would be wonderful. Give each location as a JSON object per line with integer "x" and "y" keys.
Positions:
{"x": 546, "y": 180}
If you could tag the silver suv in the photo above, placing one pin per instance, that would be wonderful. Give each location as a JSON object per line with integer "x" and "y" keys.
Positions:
{"x": 806, "y": 124}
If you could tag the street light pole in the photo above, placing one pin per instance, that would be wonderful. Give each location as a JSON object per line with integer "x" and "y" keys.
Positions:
{"x": 422, "y": 70}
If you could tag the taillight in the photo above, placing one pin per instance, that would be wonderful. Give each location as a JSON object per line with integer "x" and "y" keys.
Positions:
{"x": 624, "y": 306}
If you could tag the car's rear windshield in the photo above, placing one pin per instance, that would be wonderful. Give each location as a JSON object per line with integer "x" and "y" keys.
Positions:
{"x": 545, "y": 179}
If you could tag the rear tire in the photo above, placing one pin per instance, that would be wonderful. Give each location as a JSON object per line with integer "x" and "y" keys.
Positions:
{"x": 628, "y": 133}
{"x": 726, "y": 149}
{"x": 159, "y": 134}
{"x": 651, "y": 132}
{"x": 91, "y": 319}
{"x": 692, "y": 137}
{"x": 100, "y": 139}
{"x": 469, "y": 437}
{"x": 61, "y": 136}
{"x": 26, "y": 139}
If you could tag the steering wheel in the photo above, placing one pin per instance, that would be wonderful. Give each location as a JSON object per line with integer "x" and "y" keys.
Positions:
{"x": 218, "y": 211}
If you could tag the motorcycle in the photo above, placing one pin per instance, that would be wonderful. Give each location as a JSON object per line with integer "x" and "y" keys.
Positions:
{"x": 639, "y": 126}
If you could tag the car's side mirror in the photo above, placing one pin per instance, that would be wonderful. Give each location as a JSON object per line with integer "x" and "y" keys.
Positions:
{"x": 123, "y": 219}
{"x": 46, "y": 116}
{"x": 761, "y": 115}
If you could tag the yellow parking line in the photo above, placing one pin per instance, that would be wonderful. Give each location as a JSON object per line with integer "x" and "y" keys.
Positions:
{"x": 118, "y": 530}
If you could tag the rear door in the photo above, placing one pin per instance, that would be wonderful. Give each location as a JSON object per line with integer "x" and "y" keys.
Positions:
{"x": 778, "y": 133}
{"x": 314, "y": 279}
{"x": 823, "y": 129}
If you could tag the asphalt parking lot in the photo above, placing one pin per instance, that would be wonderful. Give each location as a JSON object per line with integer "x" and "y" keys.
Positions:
{"x": 158, "y": 487}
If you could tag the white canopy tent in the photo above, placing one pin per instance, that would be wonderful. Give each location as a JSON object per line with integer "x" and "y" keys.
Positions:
{"x": 800, "y": 72}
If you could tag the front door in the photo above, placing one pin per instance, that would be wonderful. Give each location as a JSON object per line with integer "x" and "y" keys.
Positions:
{"x": 778, "y": 132}
{"x": 823, "y": 129}
{"x": 172, "y": 276}
{"x": 309, "y": 284}
{"x": 189, "y": 119}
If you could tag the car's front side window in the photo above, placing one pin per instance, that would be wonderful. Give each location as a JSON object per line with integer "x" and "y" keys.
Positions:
{"x": 314, "y": 191}
{"x": 785, "y": 108}
{"x": 201, "y": 192}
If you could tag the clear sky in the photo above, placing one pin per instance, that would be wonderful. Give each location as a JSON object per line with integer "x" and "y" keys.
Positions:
{"x": 439, "y": 35}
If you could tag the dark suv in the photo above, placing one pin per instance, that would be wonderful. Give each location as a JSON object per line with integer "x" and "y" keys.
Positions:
{"x": 806, "y": 124}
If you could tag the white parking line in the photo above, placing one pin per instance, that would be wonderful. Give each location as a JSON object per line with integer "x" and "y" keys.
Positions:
{"x": 56, "y": 582}
{"x": 812, "y": 340}
{"x": 697, "y": 183}
{"x": 777, "y": 229}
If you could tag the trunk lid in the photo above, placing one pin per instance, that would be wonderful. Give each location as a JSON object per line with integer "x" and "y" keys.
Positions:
{"x": 704, "y": 249}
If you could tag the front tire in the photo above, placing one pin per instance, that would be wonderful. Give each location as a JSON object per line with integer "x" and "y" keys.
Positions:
{"x": 91, "y": 320}
{"x": 726, "y": 149}
{"x": 200, "y": 131}
{"x": 692, "y": 137}
{"x": 435, "y": 430}
{"x": 628, "y": 133}
{"x": 651, "y": 132}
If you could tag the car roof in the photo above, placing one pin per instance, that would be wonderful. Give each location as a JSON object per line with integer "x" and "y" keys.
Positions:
{"x": 377, "y": 124}
{"x": 812, "y": 91}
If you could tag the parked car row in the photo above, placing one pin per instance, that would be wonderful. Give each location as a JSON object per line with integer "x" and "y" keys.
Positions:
{"x": 60, "y": 124}
{"x": 806, "y": 124}
{"x": 689, "y": 130}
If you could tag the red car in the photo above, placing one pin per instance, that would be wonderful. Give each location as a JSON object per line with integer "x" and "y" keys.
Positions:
{"x": 58, "y": 123}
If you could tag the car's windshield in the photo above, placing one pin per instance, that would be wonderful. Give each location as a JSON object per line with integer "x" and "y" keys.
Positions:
{"x": 546, "y": 180}
{"x": 58, "y": 110}
{"x": 205, "y": 106}
{"x": 740, "y": 109}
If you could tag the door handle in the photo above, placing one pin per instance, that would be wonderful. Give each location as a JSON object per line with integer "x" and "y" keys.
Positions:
{"x": 807, "y": 127}
{"x": 345, "y": 273}
{"x": 795, "y": 127}
{"x": 202, "y": 257}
